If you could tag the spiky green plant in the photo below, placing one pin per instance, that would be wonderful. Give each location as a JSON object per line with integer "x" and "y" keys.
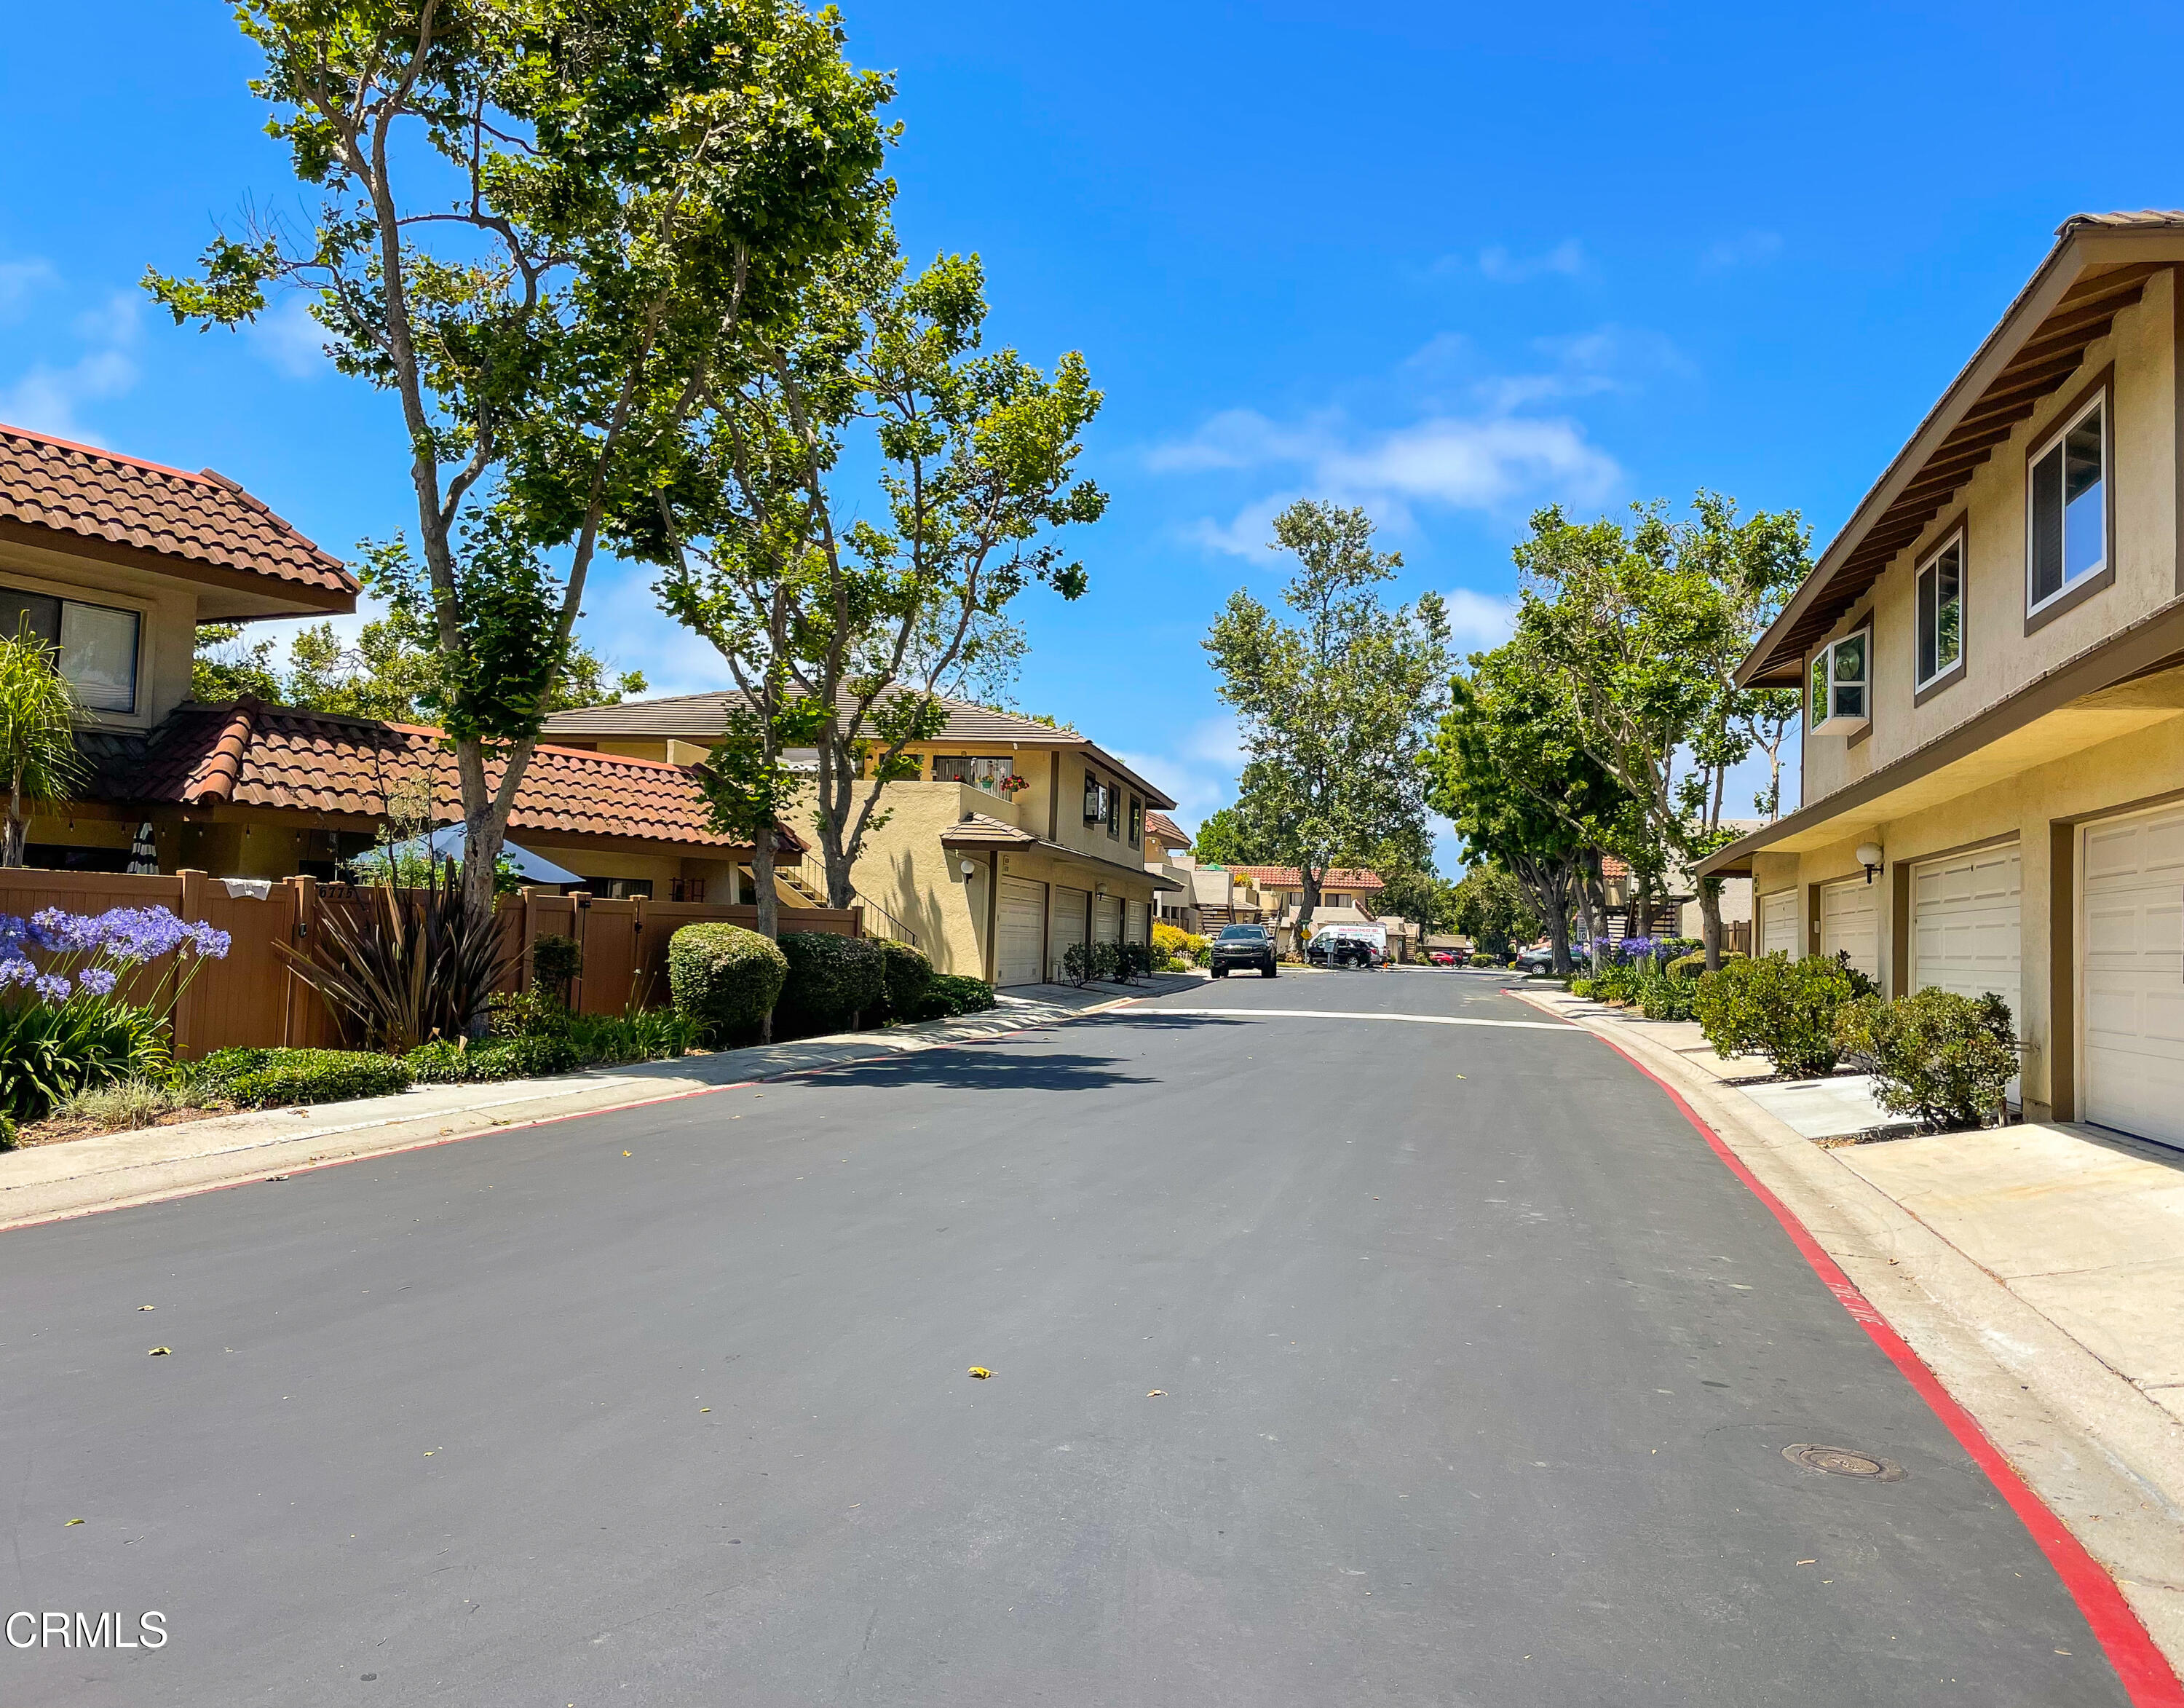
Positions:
{"x": 38, "y": 714}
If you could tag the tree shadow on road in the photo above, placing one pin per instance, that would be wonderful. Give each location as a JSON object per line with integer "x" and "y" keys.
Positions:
{"x": 971, "y": 1070}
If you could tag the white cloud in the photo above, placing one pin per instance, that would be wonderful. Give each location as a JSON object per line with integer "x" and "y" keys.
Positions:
{"x": 47, "y": 397}
{"x": 1567, "y": 258}
{"x": 1750, "y": 249}
{"x": 288, "y": 338}
{"x": 1199, "y": 770}
{"x": 1477, "y": 621}
{"x": 20, "y": 280}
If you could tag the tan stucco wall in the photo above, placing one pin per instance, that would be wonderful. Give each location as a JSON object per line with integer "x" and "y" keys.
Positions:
{"x": 904, "y": 869}
{"x": 2114, "y": 775}
{"x": 166, "y": 635}
{"x": 2000, "y": 657}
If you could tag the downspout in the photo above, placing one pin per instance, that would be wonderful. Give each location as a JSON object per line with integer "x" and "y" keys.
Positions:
{"x": 993, "y": 916}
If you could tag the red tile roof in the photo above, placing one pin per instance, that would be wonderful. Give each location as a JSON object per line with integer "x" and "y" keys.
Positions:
{"x": 202, "y": 518}
{"x": 977, "y": 831}
{"x": 1289, "y": 878}
{"x": 1611, "y": 867}
{"x": 1166, "y": 830}
{"x": 251, "y": 754}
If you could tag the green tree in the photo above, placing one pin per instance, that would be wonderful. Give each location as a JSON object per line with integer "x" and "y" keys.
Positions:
{"x": 637, "y": 186}
{"x": 1523, "y": 793}
{"x": 388, "y": 673}
{"x": 1244, "y": 834}
{"x": 38, "y": 714}
{"x": 1641, "y": 631}
{"x": 1333, "y": 709}
{"x": 844, "y": 623}
{"x": 1492, "y": 909}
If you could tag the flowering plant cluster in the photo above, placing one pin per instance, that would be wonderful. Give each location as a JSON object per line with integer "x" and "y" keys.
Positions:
{"x": 87, "y": 953}
{"x": 1014, "y": 782}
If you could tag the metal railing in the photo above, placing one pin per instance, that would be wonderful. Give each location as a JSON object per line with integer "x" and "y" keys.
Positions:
{"x": 812, "y": 873}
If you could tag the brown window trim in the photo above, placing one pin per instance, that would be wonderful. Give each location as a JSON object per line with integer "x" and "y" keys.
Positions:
{"x": 1863, "y": 620}
{"x": 1958, "y": 527}
{"x": 2071, "y": 598}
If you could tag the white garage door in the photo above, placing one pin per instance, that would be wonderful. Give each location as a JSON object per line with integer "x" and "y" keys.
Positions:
{"x": 1107, "y": 919}
{"x": 2133, "y": 974}
{"x": 1137, "y": 922}
{"x": 1850, "y": 923}
{"x": 1779, "y": 932}
{"x": 1965, "y": 931}
{"x": 1021, "y": 932}
{"x": 1066, "y": 924}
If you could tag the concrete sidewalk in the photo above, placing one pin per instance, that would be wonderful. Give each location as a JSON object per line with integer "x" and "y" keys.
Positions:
{"x": 76, "y": 1176}
{"x": 2037, "y": 1270}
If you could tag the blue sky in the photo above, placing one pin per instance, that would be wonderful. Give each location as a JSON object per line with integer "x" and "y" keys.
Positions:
{"x": 1446, "y": 263}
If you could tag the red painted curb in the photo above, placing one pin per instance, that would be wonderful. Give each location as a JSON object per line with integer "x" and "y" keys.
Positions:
{"x": 2144, "y": 1670}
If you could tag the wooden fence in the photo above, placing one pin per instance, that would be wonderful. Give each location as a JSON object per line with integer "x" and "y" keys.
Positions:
{"x": 252, "y": 997}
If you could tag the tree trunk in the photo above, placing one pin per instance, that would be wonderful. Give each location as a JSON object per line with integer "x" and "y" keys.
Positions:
{"x": 11, "y": 841}
{"x": 1710, "y": 920}
{"x": 1557, "y": 897}
{"x": 1587, "y": 921}
{"x": 767, "y": 895}
{"x": 482, "y": 843}
{"x": 1309, "y": 907}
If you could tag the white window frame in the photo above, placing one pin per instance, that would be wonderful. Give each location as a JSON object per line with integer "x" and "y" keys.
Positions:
{"x": 2099, "y": 403}
{"x": 1837, "y": 722}
{"x": 1932, "y": 561}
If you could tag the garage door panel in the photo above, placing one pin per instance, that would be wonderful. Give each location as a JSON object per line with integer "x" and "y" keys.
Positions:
{"x": 1066, "y": 922}
{"x": 1106, "y": 919}
{"x": 1850, "y": 923}
{"x": 1019, "y": 954}
{"x": 1778, "y": 924}
{"x": 2131, "y": 973}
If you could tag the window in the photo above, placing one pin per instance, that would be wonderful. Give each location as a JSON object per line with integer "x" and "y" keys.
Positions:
{"x": 1097, "y": 795}
{"x": 2067, "y": 515}
{"x": 1941, "y": 600}
{"x": 1839, "y": 692}
{"x": 95, "y": 645}
{"x": 1137, "y": 821}
{"x": 615, "y": 888}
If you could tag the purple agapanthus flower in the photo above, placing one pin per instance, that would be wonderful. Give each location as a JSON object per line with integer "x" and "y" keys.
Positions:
{"x": 132, "y": 934}
{"x": 21, "y": 970}
{"x": 98, "y": 981}
{"x": 54, "y": 928}
{"x": 207, "y": 941}
{"x": 52, "y": 987}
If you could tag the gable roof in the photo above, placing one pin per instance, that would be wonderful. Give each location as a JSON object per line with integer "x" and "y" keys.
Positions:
{"x": 65, "y": 496}
{"x": 1289, "y": 878}
{"x": 705, "y": 717}
{"x": 1165, "y": 830}
{"x": 250, "y": 754}
{"x": 2098, "y": 266}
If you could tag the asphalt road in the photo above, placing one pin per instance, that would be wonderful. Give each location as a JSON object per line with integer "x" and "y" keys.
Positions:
{"x": 1334, "y": 1360}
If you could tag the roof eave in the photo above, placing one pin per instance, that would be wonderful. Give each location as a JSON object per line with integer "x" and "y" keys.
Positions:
{"x": 2079, "y": 246}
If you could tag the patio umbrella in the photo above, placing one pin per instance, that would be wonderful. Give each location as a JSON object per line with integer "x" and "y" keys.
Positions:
{"x": 446, "y": 842}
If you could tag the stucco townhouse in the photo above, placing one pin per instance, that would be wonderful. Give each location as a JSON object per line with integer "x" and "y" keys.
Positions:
{"x": 1014, "y": 840}
{"x": 114, "y": 562}
{"x": 1992, "y": 656}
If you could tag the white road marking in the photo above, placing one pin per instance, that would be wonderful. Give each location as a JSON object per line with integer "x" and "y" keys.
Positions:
{"x": 1352, "y": 1014}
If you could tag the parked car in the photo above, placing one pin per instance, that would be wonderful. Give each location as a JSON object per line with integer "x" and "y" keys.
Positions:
{"x": 1539, "y": 957}
{"x": 1444, "y": 957}
{"x": 1348, "y": 945}
{"x": 1242, "y": 947}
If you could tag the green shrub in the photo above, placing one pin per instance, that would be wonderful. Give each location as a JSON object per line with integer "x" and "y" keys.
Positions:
{"x": 1076, "y": 964}
{"x": 905, "y": 975}
{"x": 555, "y": 963}
{"x": 725, "y": 981}
{"x": 1583, "y": 986}
{"x": 127, "y": 1103}
{"x": 1782, "y": 1009}
{"x": 1665, "y": 996}
{"x": 638, "y": 1036}
{"x": 951, "y": 994}
{"x": 1942, "y": 1057}
{"x": 832, "y": 980}
{"x": 257, "y": 1078}
{"x": 441, "y": 1063}
{"x": 1616, "y": 982}
{"x": 49, "y": 1052}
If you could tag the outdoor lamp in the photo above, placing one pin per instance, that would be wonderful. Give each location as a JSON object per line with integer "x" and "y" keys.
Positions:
{"x": 968, "y": 867}
{"x": 1868, "y": 855}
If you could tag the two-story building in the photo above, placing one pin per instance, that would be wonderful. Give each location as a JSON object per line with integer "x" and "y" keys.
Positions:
{"x": 114, "y": 563}
{"x": 1014, "y": 839}
{"x": 1991, "y": 655}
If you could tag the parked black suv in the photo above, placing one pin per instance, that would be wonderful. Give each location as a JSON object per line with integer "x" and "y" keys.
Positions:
{"x": 1240, "y": 947}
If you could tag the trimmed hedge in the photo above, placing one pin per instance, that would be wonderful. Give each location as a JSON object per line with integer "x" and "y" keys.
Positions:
{"x": 951, "y": 994}
{"x": 1782, "y": 1009}
{"x": 1940, "y": 1057}
{"x": 441, "y": 1063}
{"x": 831, "y": 980}
{"x": 257, "y": 1078}
{"x": 724, "y": 979}
{"x": 906, "y": 976}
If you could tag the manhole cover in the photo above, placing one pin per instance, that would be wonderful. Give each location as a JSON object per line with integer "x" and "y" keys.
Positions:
{"x": 1843, "y": 1461}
